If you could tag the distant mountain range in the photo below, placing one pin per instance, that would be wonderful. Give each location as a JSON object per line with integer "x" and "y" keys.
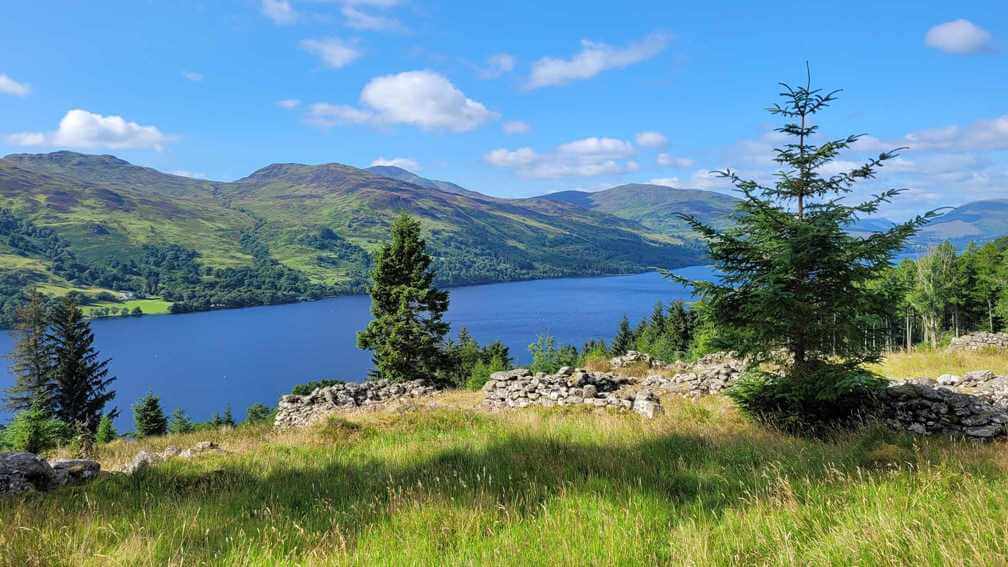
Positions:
{"x": 316, "y": 225}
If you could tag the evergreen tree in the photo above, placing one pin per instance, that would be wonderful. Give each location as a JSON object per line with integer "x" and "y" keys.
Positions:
{"x": 106, "y": 431}
{"x": 80, "y": 379}
{"x": 180, "y": 422}
{"x": 989, "y": 283}
{"x": 679, "y": 326}
{"x": 228, "y": 418}
{"x": 793, "y": 278}
{"x": 148, "y": 417}
{"x": 31, "y": 360}
{"x": 258, "y": 413}
{"x": 406, "y": 336}
{"x": 624, "y": 339}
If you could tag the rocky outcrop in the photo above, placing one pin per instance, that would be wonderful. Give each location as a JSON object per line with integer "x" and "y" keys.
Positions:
{"x": 708, "y": 375}
{"x": 976, "y": 408}
{"x": 144, "y": 459}
{"x": 980, "y": 341}
{"x": 300, "y": 411}
{"x": 521, "y": 388}
{"x": 27, "y": 472}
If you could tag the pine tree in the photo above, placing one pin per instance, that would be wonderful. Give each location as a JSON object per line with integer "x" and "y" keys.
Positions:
{"x": 793, "y": 278}
{"x": 258, "y": 413}
{"x": 407, "y": 334}
{"x": 31, "y": 359}
{"x": 106, "y": 430}
{"x": 80, "y": 379}
{"x": 624, "y": 339}
{"x": 148, "y": 417}
{"x": 228, "y": 418}
{"x": 180, "y": 422}
{"x": 679, "y": 324}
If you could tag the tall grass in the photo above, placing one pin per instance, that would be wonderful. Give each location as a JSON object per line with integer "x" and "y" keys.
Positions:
{"x": 698, "y": 486}
{"x": 929, "y": 363}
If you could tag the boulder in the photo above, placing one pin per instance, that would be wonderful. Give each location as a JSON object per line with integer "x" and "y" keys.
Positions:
{"x": 24, "y": 472}
{"x": 647, "y": 404}
{"x": 74, "y": 471}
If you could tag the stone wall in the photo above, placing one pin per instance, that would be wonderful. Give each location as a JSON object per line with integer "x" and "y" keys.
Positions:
{"x": 708, "y": 375}
{"x": 521, "y": 388}
{"x": 299, "y": 411}
{"x": 980, "y": 341}
{"x": 975, "y": 407}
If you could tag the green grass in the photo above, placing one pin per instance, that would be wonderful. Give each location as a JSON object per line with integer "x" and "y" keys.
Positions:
{"x": 698, "y": 486}
{"x": 155, "y": 306}
{"x": 924, "y": 362}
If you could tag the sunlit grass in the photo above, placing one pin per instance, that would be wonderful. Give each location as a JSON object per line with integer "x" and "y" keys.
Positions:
{"x": 930, "y": 363}
{"x": 450, "y": 485}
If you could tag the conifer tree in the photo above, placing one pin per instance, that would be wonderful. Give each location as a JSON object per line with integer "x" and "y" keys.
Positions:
{"x": 106, "y": 430}
{"x": 31, "y": 361}
{"x": 793, "y": 278}
{"x": 624, "y": 339}
{"x": 407, "y": 335}
{"x": 148, "y": 417}
{"x": 180, "y": 422}
{"x": 80, "y": 378}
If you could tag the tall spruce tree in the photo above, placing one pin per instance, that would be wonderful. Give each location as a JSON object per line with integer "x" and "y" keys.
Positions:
{"x": 793, "y": 277}
{"x": 31, "y": 361}
{"x": 625, "y": 338}
{"x": 407, "y": 335}
{"x": 80, "y": 378}
{"x": 148, "y": 417}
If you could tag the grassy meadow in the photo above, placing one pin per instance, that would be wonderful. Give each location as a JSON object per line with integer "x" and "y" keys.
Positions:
{"x": 445, "y": 483}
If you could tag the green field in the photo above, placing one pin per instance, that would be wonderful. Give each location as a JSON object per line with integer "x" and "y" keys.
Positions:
{"x": 154, "y": 306}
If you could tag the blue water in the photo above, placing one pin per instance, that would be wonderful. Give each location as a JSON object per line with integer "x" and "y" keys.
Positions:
{"x": 202, "y": 362}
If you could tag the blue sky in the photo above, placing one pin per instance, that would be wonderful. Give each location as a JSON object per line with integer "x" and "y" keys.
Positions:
{"x": 511, "y": 99}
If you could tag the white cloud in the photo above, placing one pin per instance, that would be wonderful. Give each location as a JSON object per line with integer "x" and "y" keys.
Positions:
{"x": 193, "y": 76}
{"x": 586, "y": 157}
{"x": 668, "y": 160}
{"x": 360, "y": 20}
{"x": 988, "y": 134}
{"x": 187, "y": 173}
{"x": 334, "y": 52}
{"x": 593, "y": 59}
{"x": 666, "y": 181}
{"x": 288, "y": 103}
{"x": 83, "y": 129}
{"x": 516, "y": 127}
{"x": 408, "y": 164}
{"x": 420, "y": 98}
{"x": 497, "y": 65}
{"x": 12, "y": 87}
{"x": 280, "y": 11}
{"x": 651, "y": 139}
{"x": 960, "y": 37}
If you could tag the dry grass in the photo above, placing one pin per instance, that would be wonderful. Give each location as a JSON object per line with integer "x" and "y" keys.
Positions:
{"x": 566, "y": 486}
{"x": 933, "y": 363}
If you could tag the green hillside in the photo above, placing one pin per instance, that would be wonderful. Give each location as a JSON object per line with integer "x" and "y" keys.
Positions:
{"x": 978, "y": 221}
{"x": 287, "y": 232}
{"x": 653, "y": 206}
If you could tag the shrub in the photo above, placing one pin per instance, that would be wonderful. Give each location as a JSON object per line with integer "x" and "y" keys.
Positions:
{"x": 549, "y": 359}
{"x": 258, "y": 413}
{"x": 811, "y": 400}
{"x": 180, "y": 422}
{"x": 34, "y": 431}
{"x": 149, "y": 417}
{"x": 106, "y": 431}
{"x": 482, "y": 370}
{"x": 309, "y": 387}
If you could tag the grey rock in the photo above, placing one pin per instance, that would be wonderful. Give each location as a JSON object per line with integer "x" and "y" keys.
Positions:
{"x": 74, "y": 471}
{"x": 24, "y": 472}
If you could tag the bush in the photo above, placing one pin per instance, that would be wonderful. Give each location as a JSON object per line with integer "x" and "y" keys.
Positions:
{"x": 149, "y": 417}
{"x": 809, "y": 401}
{"x": 258, "y": 413}
{"x": 309, "y": 387}
{"x": 180, "y": 422}
{"x": 549, "y": 359}
{"x": 106, "y": 432}
{"x": 34, "y": 431}
{"x": 482, "y": 370}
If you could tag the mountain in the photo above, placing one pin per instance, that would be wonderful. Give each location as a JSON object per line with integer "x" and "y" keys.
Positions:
{"x": 285, "y": 232}
{"x": 979, "y": 221}
{"x": 653, "y": 206}
{"x": 401, "y": 174}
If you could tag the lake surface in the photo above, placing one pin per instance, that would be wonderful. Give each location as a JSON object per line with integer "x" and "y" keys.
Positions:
{"x": 202, "y": 362}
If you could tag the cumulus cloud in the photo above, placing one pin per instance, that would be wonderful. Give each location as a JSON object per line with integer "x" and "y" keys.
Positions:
{"x": 586, "y": 157}
{"x": 423, "y": 99}
{"x": 408, "y": 164}
{"x": 651, "y": 139}
{"x": 12, "y": 87}
{"x": 280, "y": 11}
{"x": 193, "y": 76}
{"x": 669, "y": 160}
{"x": 289, "y": 103}
{"x": 593, "y": 58}
{"x": 334, "y": 52}
{"x": 87, "y": 130}
{"x": 516, "y": 127}
{"x": 961, "y": 37}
